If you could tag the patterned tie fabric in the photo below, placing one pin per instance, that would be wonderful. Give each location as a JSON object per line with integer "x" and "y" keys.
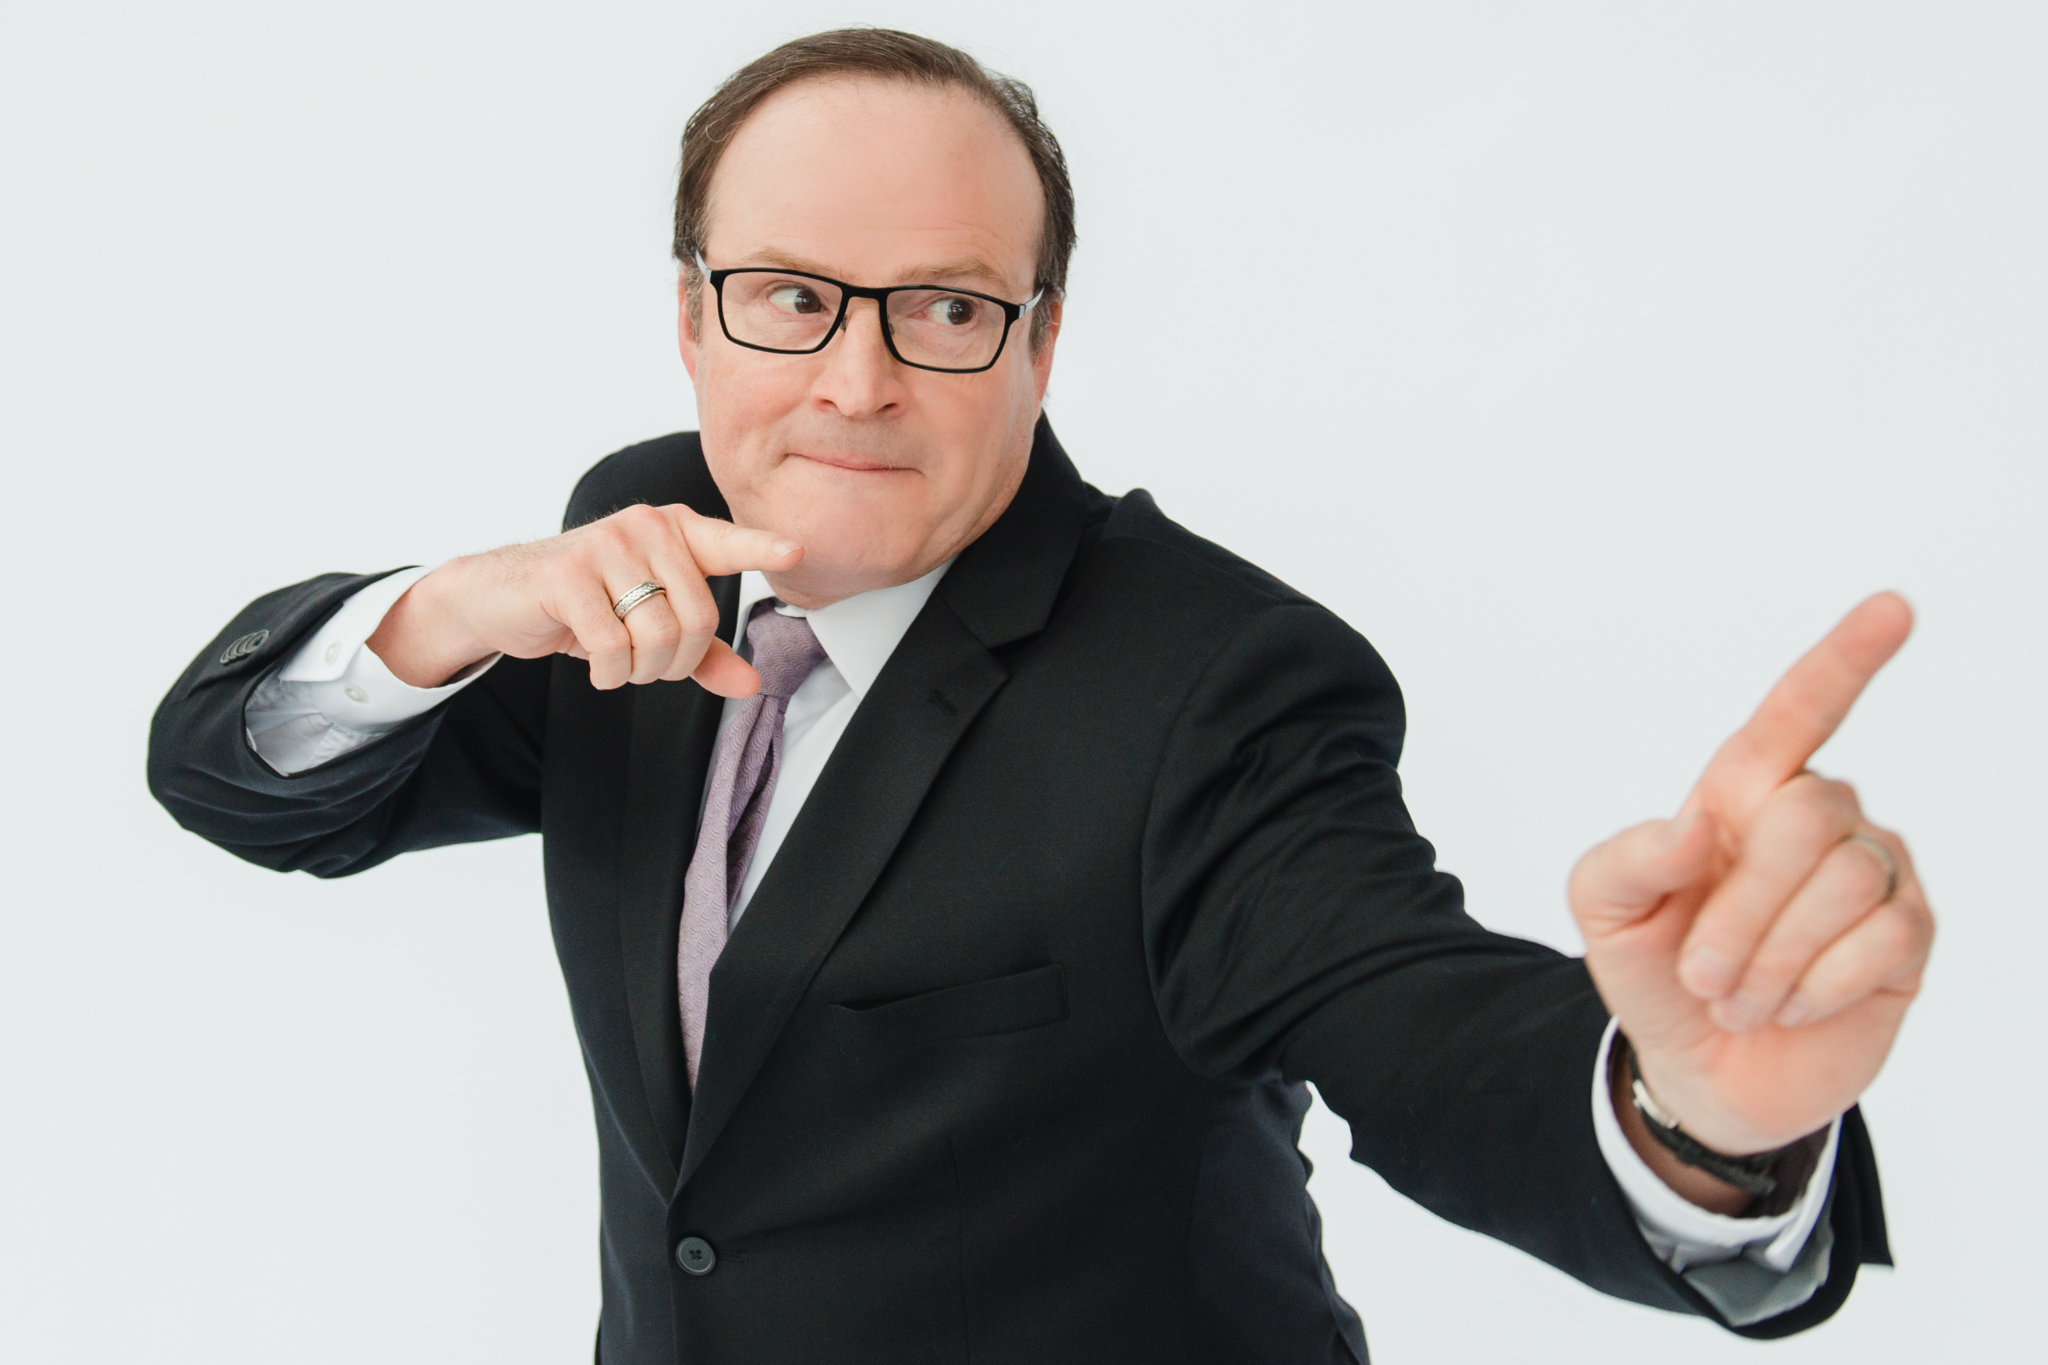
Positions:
{"x": 735, "y": 807}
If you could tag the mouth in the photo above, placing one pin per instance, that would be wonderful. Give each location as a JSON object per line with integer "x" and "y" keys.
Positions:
{"x": 852, "y": 464}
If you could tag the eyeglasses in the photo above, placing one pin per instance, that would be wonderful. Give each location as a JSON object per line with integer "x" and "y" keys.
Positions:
{"x": 789, "y": 312}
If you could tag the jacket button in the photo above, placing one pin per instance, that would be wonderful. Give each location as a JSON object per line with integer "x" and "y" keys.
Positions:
{"x": 695, "y": 1256}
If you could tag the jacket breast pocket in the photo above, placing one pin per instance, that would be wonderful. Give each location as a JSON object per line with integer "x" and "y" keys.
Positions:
{"x": 977, "y": 1009}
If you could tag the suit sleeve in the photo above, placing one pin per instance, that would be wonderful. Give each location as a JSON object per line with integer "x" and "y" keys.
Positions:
{"x": 466, "y": 771}
{"x": 1296, "y": 922}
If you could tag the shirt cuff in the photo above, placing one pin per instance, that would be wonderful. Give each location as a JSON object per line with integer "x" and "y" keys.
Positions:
{"x": 1681, "y": 1232}
{"x": 334, "y": 695}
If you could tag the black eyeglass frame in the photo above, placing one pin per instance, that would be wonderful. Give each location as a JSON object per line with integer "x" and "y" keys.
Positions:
{"x": 848, "y": 293}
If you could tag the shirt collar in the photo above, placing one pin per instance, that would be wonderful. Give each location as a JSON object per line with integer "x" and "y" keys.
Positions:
{"x": 858, "y": 633}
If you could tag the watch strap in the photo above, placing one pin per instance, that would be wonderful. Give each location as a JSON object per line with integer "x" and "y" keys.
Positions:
{"x": 1774, "y": 1179}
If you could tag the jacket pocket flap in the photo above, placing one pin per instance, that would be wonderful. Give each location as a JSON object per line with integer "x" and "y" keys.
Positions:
{"x": 1003, "y": 1004}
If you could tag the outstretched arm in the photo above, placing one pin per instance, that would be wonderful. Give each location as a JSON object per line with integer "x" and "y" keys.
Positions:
{"x": 1297, "y": 922}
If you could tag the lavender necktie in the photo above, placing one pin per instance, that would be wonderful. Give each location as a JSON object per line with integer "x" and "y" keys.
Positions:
{"x": 735, "y": 807}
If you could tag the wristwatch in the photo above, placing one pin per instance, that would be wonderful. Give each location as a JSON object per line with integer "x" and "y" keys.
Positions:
{"x": 1774, "y": 1179}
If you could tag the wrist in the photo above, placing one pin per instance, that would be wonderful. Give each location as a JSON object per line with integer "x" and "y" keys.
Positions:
{"x": 423, "y": 639}
{"x": 1695, "y": 1186}
{"x": 1755, "y": 1183}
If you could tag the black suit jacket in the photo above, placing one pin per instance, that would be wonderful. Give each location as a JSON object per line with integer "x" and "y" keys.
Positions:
{"x": 1005, "y": 1061}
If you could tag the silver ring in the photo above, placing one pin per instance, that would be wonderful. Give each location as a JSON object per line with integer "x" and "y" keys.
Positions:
{"x": 1885, "y": 856}
{"x": 634, "y": 597}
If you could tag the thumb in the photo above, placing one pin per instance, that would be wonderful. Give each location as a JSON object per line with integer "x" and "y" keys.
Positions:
{"x": 1619, "y": 882}
{"x": 725, "y": 674}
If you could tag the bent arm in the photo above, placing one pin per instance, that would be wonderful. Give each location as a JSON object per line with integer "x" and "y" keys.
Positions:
{"x": 465, "y": 771}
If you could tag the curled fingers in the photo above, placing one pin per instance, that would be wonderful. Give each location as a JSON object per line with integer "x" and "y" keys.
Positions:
{"x": 1789, "y": 837}
{"x": 1884, "y": 951}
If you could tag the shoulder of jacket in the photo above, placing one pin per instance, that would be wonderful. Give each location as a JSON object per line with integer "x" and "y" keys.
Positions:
{"x": 1184, "y": 559}
{"x": 1207, "y": 615}
{"x": 665, "y": 470}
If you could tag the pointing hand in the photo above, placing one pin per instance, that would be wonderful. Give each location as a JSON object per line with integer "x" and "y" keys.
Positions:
{"x": 1761, "y": 948}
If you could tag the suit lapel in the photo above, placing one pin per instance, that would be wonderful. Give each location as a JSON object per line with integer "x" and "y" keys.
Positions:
{"x": 674, "y": 726}
{"x": 1001, "y": 589}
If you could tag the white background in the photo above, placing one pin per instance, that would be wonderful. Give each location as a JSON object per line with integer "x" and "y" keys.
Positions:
{"x": 1591, "y": 359}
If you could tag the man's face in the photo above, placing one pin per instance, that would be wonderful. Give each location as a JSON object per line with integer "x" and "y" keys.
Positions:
{"x": 882, "y": 471}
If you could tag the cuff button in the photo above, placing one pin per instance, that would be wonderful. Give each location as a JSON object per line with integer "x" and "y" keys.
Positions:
{"x": 244, "y": 647}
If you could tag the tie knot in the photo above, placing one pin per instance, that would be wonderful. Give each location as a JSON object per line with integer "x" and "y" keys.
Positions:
{"x": 785, "y": 649}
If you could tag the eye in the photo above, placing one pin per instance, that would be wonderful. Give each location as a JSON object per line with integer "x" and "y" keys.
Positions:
{"x": 796, "y": 298}
{"x": 952, "y": 310}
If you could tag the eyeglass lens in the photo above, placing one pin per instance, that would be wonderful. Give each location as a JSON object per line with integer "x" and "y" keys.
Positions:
{"x": 930, "y": 326}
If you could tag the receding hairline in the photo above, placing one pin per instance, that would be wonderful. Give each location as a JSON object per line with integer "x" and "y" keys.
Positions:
{"x": 809, "y": 87}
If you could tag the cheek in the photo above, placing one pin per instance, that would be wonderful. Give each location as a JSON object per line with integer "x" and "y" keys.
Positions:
{"x": 983, "y": 475}
{"x": 734, "y": 414}
{"x": 740, "y": 401}
{"x": 739, "y": 408}
{"x": 990, "y": 422}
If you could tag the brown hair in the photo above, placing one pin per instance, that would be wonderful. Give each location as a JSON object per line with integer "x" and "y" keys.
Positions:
{"x": 884, "y": 54}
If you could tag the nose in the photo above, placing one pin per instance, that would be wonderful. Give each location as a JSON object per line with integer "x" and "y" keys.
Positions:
{"x": 860, "y": 378}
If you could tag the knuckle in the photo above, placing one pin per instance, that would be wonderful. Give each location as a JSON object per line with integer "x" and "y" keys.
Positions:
{"x": 1865, "y": 875}
{"x": 1897, "y": 935}
{"x": 697, "y": 617}
{"x": 1821, "y": 793}
{"x": 1809, "y": 817}
{"x": 1898, "y": 848}
{"x": 1919, "y": 925}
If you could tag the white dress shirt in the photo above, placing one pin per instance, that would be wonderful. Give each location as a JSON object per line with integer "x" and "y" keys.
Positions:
{"x": 334, "y": 695}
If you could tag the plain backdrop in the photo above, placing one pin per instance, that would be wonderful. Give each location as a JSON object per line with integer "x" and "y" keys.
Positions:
{"x": 1592, "y": 359}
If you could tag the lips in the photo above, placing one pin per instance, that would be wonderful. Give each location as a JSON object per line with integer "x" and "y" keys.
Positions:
{"x": 856, "y": 464}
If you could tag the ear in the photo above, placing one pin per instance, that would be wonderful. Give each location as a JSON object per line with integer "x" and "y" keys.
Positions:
{"x": 1041, "y": 355}
{"x": 686, "y": 335}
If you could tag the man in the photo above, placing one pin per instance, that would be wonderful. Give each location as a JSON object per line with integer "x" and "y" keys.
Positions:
{"x": 957, "y": 873}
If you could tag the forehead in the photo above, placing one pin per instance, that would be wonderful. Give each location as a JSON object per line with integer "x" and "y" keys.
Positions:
{"x": 876, "y": 180}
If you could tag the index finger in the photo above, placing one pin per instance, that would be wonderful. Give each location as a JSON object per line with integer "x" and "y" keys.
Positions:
{"x": 1803, "y": 710}
{"x": 721, "y": 548}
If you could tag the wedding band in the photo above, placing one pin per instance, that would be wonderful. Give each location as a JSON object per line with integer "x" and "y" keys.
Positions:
{"x": 1885, "y": 856}
{"x": 634, "y": 597}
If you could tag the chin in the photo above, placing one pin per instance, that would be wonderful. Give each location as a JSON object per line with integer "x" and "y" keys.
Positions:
{"x": 848, "y": 550}
{"x": 843, "y": 565}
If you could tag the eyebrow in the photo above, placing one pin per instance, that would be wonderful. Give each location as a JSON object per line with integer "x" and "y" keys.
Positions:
{"x": 971, "y": 267}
